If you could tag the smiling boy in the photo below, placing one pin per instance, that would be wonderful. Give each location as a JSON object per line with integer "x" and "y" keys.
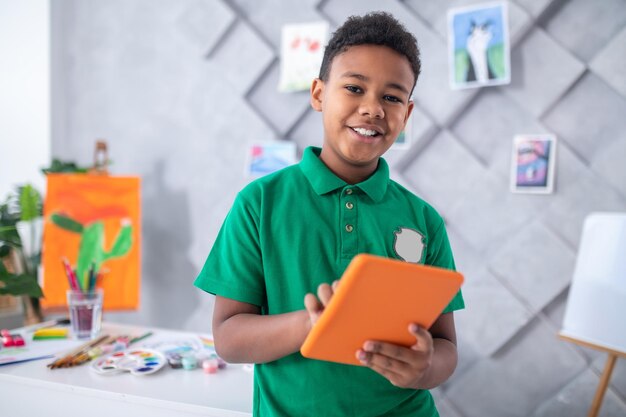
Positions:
{"x": 293, "y": 233}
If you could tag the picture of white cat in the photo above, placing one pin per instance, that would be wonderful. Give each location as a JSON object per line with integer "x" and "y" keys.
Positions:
{"x": 478, "y": 46}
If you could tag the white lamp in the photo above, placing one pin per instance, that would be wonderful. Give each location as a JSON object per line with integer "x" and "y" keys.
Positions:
{"x": 596, "y": 305}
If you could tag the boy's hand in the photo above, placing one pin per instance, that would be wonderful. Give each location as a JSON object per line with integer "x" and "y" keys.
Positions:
{"x": 315, "y": 305}
{"x": 403, "y": 367}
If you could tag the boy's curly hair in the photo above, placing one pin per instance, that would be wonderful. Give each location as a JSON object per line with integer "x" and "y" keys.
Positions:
{"x": 377, "y": 28}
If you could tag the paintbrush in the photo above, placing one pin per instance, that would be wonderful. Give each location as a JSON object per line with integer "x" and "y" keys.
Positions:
{"x": 64, "y": 360}
{"x": 84, "y": 356}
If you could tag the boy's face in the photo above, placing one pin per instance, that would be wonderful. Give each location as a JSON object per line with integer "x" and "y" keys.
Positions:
{"x": 365, "y": 105}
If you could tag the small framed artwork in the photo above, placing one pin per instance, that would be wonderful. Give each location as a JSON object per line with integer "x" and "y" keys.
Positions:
{"x": 267, "y": 157}
{"x": 478, "y": 46}
{"x": 301, "y": 53}
{"x": 532, "y": 165}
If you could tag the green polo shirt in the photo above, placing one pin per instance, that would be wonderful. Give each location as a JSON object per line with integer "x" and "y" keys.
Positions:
{"x": 292, "y": 230}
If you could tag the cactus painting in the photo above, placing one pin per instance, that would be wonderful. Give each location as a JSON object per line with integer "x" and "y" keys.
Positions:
{"x": 94, "y": 222}
{"x": 91, "y": 250}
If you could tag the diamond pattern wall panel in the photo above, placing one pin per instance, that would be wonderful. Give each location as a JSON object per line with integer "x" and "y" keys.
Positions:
{"x": 488, "y": 215}
{"x": 555, "y": 311}
{"x": 535, "y": 263}
{"x": 591, "y": 113}
{"x": 180, "y": 89}
{"x": 544, "y": 71}
{"x": 338, "y": 11}
{"x": 610, "y": 63}
{"x": 279, "y": 109}
{"x": 496, "y": 314}
{"x": 204, "y": 23}
{"x": 429, "y": 174}
{"x": 486, "y": 129}
{"x": 245, "y": 55}
{"x": 535, "y": 7}
{"x": 517, "y": 375}
{"x": 269, "y": 16}
{"x": 575, "y": 200}
{"x": 609, "y": 161}
{"x": 574, "y": 400}
{"x": 584, "y": 27}
{"x": 444, "y": 406}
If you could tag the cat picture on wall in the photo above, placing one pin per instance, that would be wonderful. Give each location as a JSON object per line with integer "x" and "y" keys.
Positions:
{"x": 478, "y": 46}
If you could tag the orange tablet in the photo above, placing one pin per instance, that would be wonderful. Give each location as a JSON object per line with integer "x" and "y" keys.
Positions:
{"x": 377, "y": 298}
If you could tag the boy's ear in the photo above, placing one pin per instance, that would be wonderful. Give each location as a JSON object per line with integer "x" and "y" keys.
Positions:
{"x": 317, "y": 90}
{"x": 409, "y": 111}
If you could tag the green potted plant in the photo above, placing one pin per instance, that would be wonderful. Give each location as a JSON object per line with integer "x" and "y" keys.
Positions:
{"x": 21, "y": 226}
{"x": 20, "y": 249}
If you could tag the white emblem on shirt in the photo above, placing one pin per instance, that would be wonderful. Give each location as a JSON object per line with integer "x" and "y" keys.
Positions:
{"x": 408, "y": 244}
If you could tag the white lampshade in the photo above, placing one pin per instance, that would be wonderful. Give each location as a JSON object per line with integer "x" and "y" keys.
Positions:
{"x": 596, "y": 306}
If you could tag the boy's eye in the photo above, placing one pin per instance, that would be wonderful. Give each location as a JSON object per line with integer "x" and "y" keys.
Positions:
{"x": 353, "y": 89}
{"x": 393, "y": 99}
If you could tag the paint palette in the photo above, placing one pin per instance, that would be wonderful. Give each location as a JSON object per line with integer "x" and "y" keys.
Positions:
{"x": 136, "y": 361}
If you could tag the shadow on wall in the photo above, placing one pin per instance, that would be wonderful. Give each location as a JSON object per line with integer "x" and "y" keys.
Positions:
{"x": 168, "y": 296}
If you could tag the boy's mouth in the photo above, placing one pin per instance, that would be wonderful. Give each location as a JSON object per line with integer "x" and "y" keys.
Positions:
{"x": 369, "y": 133}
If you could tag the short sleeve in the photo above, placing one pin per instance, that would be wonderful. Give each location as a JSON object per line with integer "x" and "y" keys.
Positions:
{"x": 439, "y": 254}
{"x": 234, "y": 266}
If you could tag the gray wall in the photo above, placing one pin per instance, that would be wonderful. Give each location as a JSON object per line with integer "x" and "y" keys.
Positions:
{"x": 180, "y": 88}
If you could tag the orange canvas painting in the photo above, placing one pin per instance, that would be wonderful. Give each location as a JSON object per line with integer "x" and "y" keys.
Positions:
{"x": 92, "y": 226}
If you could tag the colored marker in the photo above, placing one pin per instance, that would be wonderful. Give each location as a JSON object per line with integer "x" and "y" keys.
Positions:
{"x": 92, "y": 277}
{"x": 71, "y": 275}
{"x": 50, "y": 333}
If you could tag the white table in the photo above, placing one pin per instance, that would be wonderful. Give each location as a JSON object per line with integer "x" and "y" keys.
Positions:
{"x": 31, "y": 389}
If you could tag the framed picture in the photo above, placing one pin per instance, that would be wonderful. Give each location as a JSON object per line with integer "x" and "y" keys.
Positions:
{"x": 301, "y": 53}
{"x": 94, "y": 223}
{"x": 267, "y": 157}
{"x": 532, "y": 166}
{"x": 478, "y": 46}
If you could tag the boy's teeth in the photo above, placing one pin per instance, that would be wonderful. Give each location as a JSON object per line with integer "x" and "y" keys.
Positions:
{"x": 365, "y": 132}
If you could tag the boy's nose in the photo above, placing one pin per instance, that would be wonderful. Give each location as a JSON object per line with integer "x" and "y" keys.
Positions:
{"x": 371, "y": 107}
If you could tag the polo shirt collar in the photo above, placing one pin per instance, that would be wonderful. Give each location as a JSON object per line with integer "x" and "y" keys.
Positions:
{"x": 376, "y": 185}
{"x": 323, "y": 180}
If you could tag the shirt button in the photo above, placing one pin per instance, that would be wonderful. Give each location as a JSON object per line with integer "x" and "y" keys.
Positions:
{"x": 349, "y": 205}
{"x": 349, "y": 228}
{"x": 349, "y": 191}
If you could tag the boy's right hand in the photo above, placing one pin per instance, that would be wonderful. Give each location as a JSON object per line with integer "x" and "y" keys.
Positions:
{"x": 315, "y": 305}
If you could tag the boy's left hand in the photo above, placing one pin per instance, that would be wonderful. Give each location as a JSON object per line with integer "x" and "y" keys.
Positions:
{"x": 315, "y": 305}
{"x": 403, "y": 367}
